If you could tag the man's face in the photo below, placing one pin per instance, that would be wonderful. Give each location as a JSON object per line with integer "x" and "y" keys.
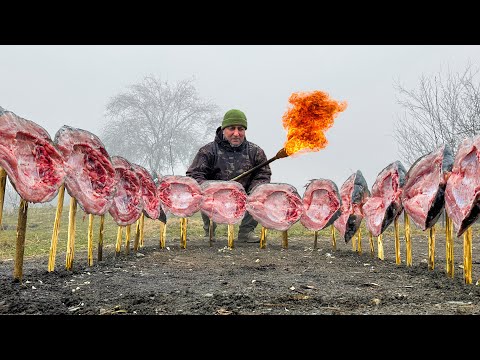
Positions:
{"x": 234, "y": 134}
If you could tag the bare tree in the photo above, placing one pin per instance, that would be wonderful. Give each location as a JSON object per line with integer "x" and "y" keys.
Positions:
{"x": 441, "y": 111}
{"x": 158, "y": 125}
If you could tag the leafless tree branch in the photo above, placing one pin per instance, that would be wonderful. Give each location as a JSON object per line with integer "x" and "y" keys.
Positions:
{"x": 443, "y": 110}
{"x": 158, "y": 125}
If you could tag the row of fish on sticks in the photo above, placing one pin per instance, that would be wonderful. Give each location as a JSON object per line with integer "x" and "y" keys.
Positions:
{"x": 38, "y": 166}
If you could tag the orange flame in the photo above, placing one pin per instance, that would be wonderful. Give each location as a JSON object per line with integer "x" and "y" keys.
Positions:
{"x": 311, "y": 115}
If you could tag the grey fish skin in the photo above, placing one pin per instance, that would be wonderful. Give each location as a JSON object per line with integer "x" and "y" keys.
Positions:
{"x": 352, "y": 226}
{"x": 162, "y": 215}
{"x": 439, "y": 202}
{"x": 462, "y": 193}
{"x": 359, "y": 196}
{"x": 423, "y": 206}
{"x": 354, "y": 193}
{"x": 384, "y": 204}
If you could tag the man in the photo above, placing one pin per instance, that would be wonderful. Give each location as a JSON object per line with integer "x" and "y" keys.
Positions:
{"x": 228, "y": 156}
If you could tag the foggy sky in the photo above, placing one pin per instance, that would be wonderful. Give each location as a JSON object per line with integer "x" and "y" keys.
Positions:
{"x": 71, "y": 85}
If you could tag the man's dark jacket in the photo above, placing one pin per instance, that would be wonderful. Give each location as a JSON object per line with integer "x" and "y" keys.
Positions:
{"x": 218, "y": 160}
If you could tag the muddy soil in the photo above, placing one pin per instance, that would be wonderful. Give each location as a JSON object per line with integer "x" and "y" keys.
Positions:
{"x": 211, "y": 279}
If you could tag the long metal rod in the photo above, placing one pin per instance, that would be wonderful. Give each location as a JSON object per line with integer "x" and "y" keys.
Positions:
{"x": 280, "y": 154}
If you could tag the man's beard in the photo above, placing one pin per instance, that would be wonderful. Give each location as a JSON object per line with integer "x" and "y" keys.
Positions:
{"x": 235, "y": 145}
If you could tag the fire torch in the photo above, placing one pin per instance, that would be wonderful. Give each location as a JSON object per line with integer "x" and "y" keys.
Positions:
{"x": 280, "y": 154}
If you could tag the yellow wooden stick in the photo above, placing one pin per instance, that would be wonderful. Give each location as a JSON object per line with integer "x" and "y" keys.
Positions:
{"x": 127, "y": 238}
{"x": 210, "y": 232}
{"x": 285, "y": 239}
{"x": 398, "y": 259}
{"x": 354, "y": 243}
{"x": 334, "y": 238}
{"x": 56, "y": 228}
{"x": 90, "y": 240}
{"x": 263, "y": 238}
{"x": 3, "y": 183}
{"x": 408, "y": 240}
{"x": 431, "y": 248}
{"x": 372, "y": 246}
{"x": 359, "y": 242}
{"x": 380, "y": 254}
{"x": 467, "y": 255}
{"x": 183, "y": 233}
{"x": 100, "y": 238}
{"x": 449, "y": 246}
{"x": 20, "y": 244}
{"x": 142, "y": 226}
{"x": 118, "y": 245}
{"x": 136, "y": 243}
{"x": 163, "y": 234}
{"x": 230, "y": 235}
{"x": 71, "y": 234}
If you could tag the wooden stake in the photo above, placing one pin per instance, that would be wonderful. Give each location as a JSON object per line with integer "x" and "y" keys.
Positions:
{"x": 56, "y": 228}
{"x": 136, "y": 243}
{"x": 163, "y": 234}
{"x": 359, "y": 242}
{"x": 71, "y": 234}
{"x": 381, "y": 256}
{"x": 398, "y": 259}
{"x": 230, "y": 235}
{"x": 354, "y": 243}
{"x": 315, "y": 239}
{"x": 100, "y": 238}
{"x": 334, "y": 238}
{"x": 263, "y": 238}
{"x": 450, "y": 264}
{"x": 118, "y": 245}
{"x": 20, "y": 244}
{"x": 183, "y": 233}
{"x": 210, "y": 232}
{"x": 447, "y": 244}
{"x": 90, "y": 240}
{"x": 127, "y": 238}
{"x": 431, "y": 248}
{"x": 467, "y": 255}
{"x": 408, "y": 240}
{"x": 372, "y": 246}
{"x": 3, "y": 183}
{"x": 284, "y": 239}
{"x": 142, "y": 226}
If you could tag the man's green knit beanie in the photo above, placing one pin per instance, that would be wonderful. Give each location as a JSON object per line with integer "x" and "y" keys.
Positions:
{"x": 234, "y": 117}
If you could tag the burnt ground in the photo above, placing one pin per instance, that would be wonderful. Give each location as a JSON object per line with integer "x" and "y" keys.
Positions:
{"x": 245, "y": 280}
